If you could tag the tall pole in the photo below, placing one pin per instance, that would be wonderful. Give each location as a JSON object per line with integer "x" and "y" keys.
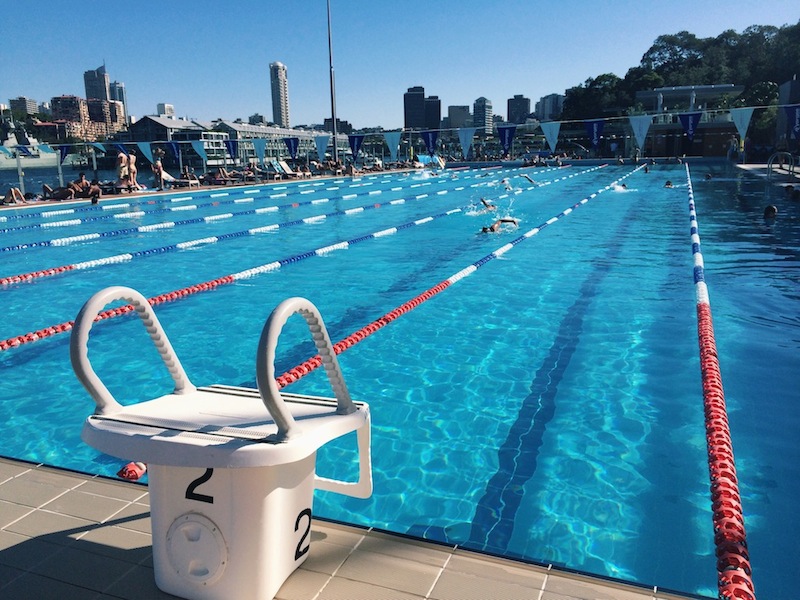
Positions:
{"x": 333, "y": 86}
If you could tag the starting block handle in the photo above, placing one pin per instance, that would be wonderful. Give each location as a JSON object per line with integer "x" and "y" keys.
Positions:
{"x": 79, "y": 340}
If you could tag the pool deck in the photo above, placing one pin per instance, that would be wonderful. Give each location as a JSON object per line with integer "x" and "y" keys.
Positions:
{"x": 70, "y": 536}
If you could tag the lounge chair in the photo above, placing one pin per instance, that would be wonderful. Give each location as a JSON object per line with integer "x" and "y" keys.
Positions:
{"x": 291, "y": 173}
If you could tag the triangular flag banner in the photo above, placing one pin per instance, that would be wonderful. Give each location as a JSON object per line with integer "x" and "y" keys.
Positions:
{"x": 64, "y": 151}
{"x": 641, "y": 125}
{"x": 291, "y": 144}
{"x": 24, "y": 150}
{"x": 465, "y": 135}
{"x": 99, "y": 146}
{"x": 429, "y": 137}
{"x": 46, "y": 149}
{"x": 232, "y": 146}
{"x": 506, "y": 135}
{"x": 594, "y": 129}
{"x": 120, "y": 148}
{"x": 355, "y": 141}
{"x": 550, "y": 130}
{"x": 6, "y": 151}
{"x": 741, "y": 118}
{"x": 260, "y": 146}
{"x": 175, "y": 149}
{"x": 321, "y": 142}
{"x": 145, "y": 148}
{"x": 199, "y": 147}
{"x": 393, "y": 141}
{"x": 689, "y": 122}
{"x": 793, "y": 114}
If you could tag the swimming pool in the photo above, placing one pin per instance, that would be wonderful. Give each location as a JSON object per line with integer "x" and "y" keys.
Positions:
{"x": 547, "y": 406}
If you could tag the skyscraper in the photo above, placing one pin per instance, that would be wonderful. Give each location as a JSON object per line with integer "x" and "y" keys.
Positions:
{"x": 96, "y": 83}
{"x": 482, "y": 116}
{"x": 280, "y": 94}
{"x": 433, "y": 112}
{"x": 414, "y": 108}
{"x": 116, "y": 91}
{"x": 519, "y": 107}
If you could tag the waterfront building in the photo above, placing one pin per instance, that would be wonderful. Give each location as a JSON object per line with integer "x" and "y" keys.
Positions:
{"x": 23, "y": 106}
{"x": 482, "y": 116}
{"x": 519, "y": 108}
{"x": 459, "y": 116}
{"x": 414, "y": 108}
{"x": 97, "y": 84}
{"x": 433, "y": 112}
{"x": 280, "y": 94}
{"x": 117, "y": 93}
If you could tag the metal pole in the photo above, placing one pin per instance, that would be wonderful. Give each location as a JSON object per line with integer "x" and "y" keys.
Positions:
{"x": 20, "y": 173}
{"x": 60, "y": 171}
{"x": 333, "y": 87}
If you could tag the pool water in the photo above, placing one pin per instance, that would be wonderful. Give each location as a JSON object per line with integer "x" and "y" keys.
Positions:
{"x": 546, "y": 407}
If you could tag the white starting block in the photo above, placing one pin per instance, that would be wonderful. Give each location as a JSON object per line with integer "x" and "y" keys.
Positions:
{"x": 231, "y": 470}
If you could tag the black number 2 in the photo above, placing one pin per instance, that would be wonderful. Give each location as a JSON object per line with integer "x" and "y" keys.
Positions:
{"x": 191, "y": 494}
{"x": 301, "y": 549}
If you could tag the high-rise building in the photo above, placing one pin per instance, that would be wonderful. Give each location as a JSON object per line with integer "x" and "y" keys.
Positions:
{"x": 414, "y": 108}
{"x": 458, "y": 116}
{"x": 433, "y": 112}
{"x": 280, "y": 94}
{"x": 116, "y": 91}
{"x": 165, "y": 110}
{"x": 519, "y": 108}
{"x": 22, "y": 105}
{"x": 482, "y": 116}
{"x": 550, "y": 107}
{"x": 96, "y": 83}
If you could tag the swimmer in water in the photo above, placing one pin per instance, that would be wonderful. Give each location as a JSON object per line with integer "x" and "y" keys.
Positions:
{"x": 495, "y": 227}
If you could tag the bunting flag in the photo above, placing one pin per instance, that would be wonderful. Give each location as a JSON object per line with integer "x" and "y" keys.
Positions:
{"x": 429, "y": 137}
{"x": 24, "y": 150}
{"x": 232, "y": 146}
{"x": 46, "y": 149}
{"x": 506, "y": 135}
{"x": 120, "y": 148}
{"x": 99, "y": 146}
{"x": 689, "y": 122}
{"x": 146, "y": 151}
{"x": 355, "y": 141}
{"x": 6, "y": 151}
{"x": 793, "y": 114}
{"x": 393, "y": 141}
{"x": 291, "y": 144}
{"x": 641, "y": 125}
{"x": 260, "y": 146}
{"x": 550, "y": 130}
{"x": 199, "y": 147}
{"x": 321, "y": 141}
{"x": 64, "y": 151}
{"x": 175, "y": 149}
{"x": 741, "y": 118}
{"x": 594, "y": 129}
{"x": 465, "y": 135}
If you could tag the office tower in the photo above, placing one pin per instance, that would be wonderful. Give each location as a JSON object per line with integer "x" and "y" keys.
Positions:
{"x": 458, "y": 116}
{"x": 414, "y": 108}
{"x": 550, "y": 107}
{"x": 118, "y": 93}
{"x": 482, "y": 117}
{"x": 433, "y": 112}
{"x": 96, "y": 83}
{"x": 519, "y": 108}
{"x": 280, "y": 94}
{"x": 165, "y": 110}
{"x": 22, "y": 105}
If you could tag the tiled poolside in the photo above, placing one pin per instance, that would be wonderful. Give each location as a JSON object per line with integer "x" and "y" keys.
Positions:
{"x": 69, "y": 536}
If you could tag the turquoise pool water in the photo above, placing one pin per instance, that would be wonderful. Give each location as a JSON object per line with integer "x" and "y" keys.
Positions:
{"x": 547, "y": 407}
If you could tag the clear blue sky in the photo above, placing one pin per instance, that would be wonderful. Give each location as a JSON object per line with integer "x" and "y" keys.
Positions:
{"x": 211, "y": 59}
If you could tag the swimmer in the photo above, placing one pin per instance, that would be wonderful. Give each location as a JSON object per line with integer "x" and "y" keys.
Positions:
{"x": 489, "y": 206}
{"x": 770, "y": 212}
{"x": 528, "y": 177}
{"x": 708, "y": 176}
{"x": 619, "y": 187}
{"x": 495, "y": 227}
{"x": 668, "y": 184}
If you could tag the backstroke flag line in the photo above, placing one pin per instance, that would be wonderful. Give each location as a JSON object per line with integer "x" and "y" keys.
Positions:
{"x": 321, "y": 141}
{"x": 197, "y": 146}
{"x": 594, "y": 129}
{"x": 641, "y": 125}
{"x": 429, "y": 137}
{"x": 506, "y": 135}
{"x": 232, "y": 146}
{"x": 689, "y": 122}
{"x": 145, "y": 148}
{"x": 393, "y": 141}
{"x": 355, "y": 141}
{"x": 291, "y": 144}
{"x": 260, "y": 146}
{"x": 550, "y": 130}
{"x": 741, "y": 118}
{"x": 465, "y": 135}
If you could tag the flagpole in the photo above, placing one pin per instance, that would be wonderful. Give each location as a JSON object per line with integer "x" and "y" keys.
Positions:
{"x": 333, "y": 87}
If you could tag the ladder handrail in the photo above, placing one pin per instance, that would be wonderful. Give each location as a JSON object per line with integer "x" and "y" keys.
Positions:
{"x": 775, "y": 156}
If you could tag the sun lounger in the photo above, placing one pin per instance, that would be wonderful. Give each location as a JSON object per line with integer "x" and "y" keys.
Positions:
{"x": 291, "y": 173}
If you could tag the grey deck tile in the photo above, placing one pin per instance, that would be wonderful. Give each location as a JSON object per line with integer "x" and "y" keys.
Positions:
{"x": 139, "y": 583}
{"x": 565, "y": 586}
{"x": 119, "y": 543}
{"x": 34, "y": 488}
{"x": 83, "y": 569}
{"x": 92, "y": 507}
{"x": 10, "y": 469}
{"x": 23, "y": 552}
{"x": 51, "y": 527}
{"x": 344, "y": 589}
{"x": 109, "y": 488}
{"x": 31, "y": 586}
{"x": 389, "y": 571}
{"x": 302, "y": 585}
{"x": 410, "y": 549}
{"x": 10, "y": 512}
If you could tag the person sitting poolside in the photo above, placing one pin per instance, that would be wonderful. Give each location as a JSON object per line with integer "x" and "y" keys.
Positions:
{"x": 84, "y": 188}
{"x": 14, "y": 196}
{"x": 59, "y": 193}
{"x": 495, "y": 227}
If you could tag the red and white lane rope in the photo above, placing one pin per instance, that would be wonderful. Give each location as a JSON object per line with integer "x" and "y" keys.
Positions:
{"x": 733, "y": 560}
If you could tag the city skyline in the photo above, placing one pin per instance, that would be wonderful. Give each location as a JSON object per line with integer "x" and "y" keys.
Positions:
{"x": 221, "y": 70}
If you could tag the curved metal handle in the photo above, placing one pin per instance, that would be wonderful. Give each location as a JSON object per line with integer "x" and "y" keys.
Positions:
{"x": 79, "y": 340}
{"x": 265, "y": 363}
